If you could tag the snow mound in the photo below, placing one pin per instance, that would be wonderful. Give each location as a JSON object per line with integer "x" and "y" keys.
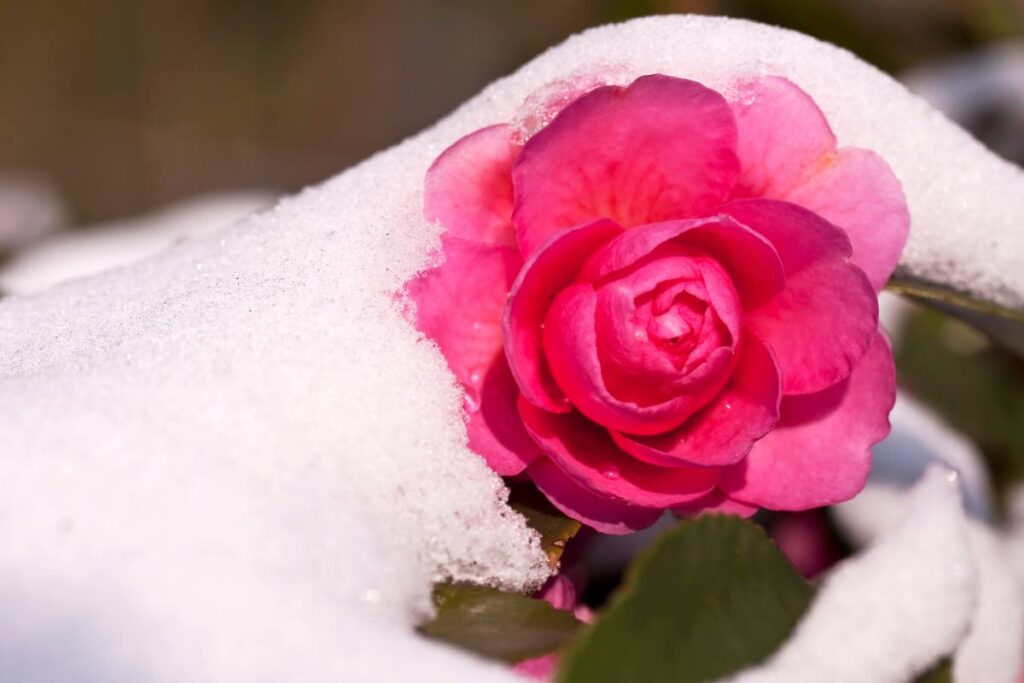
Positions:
{"x": 237, "y": 462}
{"x": 891, "y": 612}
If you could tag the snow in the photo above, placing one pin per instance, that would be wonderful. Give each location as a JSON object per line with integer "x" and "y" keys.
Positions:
{"x": 895, "y": 609}
{"x": 94, "y": 249}
{"x": 236, "y": 461}
{"x": 993, "y": 649}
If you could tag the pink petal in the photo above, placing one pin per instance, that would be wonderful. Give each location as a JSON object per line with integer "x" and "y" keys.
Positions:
{"x": 636, "y": 312}
{"x": 604, "y": 514}
{"x": 587, "y": 455}
{"x": 465, "y": 322}
{"x": 856, "y": 190}
{"x": 662, "y": 148}
{"x": 546, "y": 273}
{"x": 495, "y": 429}
{"x": 541, "y": 668}
{"x": 715, "y": 502}
{"x": 827, "y": 317}
{"x": 820, "y": 452}
{"x": 782, "y": 134}
{"x": 749, "y": 258}
{"x": 559, "y": 591}
{"x": 788, "y": 151}
{"x": 469, "y": 187}
{"x": 723, "y": 432}
{"x": 570, "y": 346}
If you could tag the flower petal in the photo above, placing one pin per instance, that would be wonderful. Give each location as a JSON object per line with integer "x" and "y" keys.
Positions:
{"x": 827, "y": 316}
{"x": 494, "y": 428}
{"x": 587, "y": 455}
{"x": 750, "y": 258}
{"x": 715, "y": 502}
{"x": 606, "y": 515}
{"x": 661, "y": 148}
{"x": 723, "y": 432}
{"x": 469, "y": 187}
{"x": 820, "y": 452}
{"x": 858, "y": 191}
{"x": 782, "y": 134}
{"x": 466, "y": 324}
{"x": 546, "y": 273}
{"x": 571, "y": 349}
{"x": 788, "y": 151}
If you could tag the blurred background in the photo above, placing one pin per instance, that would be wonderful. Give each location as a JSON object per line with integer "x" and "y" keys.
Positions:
{"x": 117, "y": 108}
{"x": 125, "y": 105}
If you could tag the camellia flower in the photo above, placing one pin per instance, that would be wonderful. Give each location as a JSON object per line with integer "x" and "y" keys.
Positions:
{"x": 666, "y": 299}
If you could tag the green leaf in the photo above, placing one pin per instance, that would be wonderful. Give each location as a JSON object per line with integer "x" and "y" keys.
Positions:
{"x": 498, "y": 625}
{"x": 555, "y": 528}
{"x": 940, "y": 673}
{"x": 711, "y": 597}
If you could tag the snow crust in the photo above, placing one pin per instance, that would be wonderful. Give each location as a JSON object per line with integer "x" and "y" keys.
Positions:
{"x": 237, "y": 462}
{"x": 894, "y": 610}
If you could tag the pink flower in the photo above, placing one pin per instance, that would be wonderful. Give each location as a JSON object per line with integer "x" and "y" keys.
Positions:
{"x": 667, "y": 299}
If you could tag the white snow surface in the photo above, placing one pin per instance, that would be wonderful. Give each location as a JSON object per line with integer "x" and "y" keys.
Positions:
{"x": 94, "y": 249}
{"x": 894, "y": 610}
{"x": 237, "y": 462}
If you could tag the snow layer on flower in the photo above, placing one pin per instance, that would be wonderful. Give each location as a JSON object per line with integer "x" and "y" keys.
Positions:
{"x": 97, "y": 248}
{"x": 894, "y": 610}
{"x": 236, "y": 461}
{"x": 966, "y": 203}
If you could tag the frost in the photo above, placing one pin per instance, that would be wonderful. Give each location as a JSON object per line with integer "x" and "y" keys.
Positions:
{"x": 236, "y": 461}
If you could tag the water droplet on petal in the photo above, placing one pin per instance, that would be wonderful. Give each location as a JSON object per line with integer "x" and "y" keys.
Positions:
{"x": 611, "y": 473}
{"x": 470, "y": 404}
{"x": 728, "y": 406}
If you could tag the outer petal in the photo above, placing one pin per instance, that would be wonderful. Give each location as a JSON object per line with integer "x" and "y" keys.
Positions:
{"x": 607, "y": 515}
{"x": 820, "y": 452}
{"x": 465, "y": 321}
{"x": 495, "y": 429}
{"x": 827, "y": 317}
{"x": 469, "y": 187}
{"x": 546, "y": 273}
{"x": 662, "y": 148}
{"x": 782, "y": 136}
{"x": 715, "y": 502}
{"x": 788, "y": 151}
{"x": 587, "y": 455}
{"x": 723, "y": 432}
{"x": 856, "y": 190}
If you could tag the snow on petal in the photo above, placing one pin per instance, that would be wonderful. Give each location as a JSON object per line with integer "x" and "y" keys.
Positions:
{"x": 894, "y": 610}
